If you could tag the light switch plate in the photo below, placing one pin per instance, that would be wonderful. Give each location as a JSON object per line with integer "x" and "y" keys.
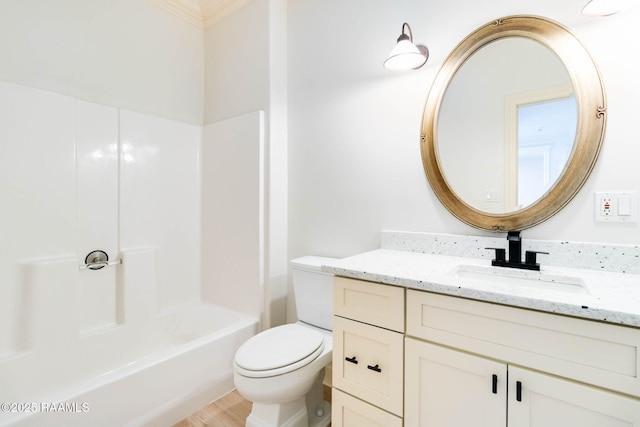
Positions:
{"x": 616, "y": 206}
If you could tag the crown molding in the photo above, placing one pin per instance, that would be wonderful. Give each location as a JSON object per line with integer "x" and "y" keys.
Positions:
{"x": 201, "y": 13}
{"x": 188, "y": 10}
{"x": 215, "y": 10}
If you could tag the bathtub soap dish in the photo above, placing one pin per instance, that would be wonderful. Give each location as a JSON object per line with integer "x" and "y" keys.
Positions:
{"x": 98, "y": 259}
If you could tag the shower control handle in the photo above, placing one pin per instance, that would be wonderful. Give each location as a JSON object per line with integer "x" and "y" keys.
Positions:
{"x": 98, "y": 259}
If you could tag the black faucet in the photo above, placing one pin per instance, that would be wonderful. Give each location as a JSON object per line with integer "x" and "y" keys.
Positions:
{"x": 515, "y": 254}
{"x": 515, "y": 247}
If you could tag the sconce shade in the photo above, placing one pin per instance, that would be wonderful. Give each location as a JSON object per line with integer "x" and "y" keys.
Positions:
{"x": 604, "y": 7}
{"x": 406, "y": 55}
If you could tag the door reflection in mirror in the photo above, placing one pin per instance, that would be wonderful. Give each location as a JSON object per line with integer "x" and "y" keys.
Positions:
{"x": 545, "y": 131}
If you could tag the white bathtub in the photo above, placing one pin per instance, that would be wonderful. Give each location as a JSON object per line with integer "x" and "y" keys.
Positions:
{"x": 115, "y": 377}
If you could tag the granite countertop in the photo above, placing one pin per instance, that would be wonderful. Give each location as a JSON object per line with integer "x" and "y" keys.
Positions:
{"x": 612, "y": 297}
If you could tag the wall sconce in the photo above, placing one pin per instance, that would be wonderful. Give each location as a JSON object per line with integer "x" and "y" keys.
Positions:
{"x": 406, "y": 55}
{"x": 604, "y": 7}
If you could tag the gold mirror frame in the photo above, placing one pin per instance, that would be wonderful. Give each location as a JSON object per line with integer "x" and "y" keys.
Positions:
{"x": 590, "y": 100}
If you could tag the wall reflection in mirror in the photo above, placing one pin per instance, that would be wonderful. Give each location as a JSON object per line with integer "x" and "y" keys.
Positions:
{"x": 507, "y": 125}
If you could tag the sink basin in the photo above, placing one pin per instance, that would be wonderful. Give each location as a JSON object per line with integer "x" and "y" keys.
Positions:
{"x": 517, "y": 278}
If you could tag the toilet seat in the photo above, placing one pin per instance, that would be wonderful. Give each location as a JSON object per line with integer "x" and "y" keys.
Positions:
{"x": 278, "y": 350}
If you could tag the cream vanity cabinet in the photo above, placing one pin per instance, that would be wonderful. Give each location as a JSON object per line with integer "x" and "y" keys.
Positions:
{"x": 480, "y": 364}
{"x": 462, "y": 362}
{"x": 368, "y": 354}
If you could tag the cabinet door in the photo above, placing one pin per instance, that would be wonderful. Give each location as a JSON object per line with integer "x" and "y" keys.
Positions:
{"x": 368, "y": 363}
{"x": 347, "y": 411}
{"x": 538, "y": 400}
{"x": 448, "y": 388}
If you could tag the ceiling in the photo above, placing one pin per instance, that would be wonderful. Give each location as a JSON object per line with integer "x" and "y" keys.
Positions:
{"x": 201, "y": 13}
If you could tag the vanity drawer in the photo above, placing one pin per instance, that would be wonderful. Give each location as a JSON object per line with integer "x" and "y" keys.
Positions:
{"x": 376, "y": 304}
{"x": 587, "y": 351}
{"x": 348, "y": 411}
{"x": 368, "y": 362}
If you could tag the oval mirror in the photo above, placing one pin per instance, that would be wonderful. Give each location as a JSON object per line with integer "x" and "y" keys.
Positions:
{"x": 513, "y": 124}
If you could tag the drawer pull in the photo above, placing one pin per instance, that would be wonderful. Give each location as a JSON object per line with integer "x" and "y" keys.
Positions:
{"x": 494, "y": 386}
{"x": 374, "y": 368}
{"x": 518, "y": 391}
{"x": 351, "y": 359}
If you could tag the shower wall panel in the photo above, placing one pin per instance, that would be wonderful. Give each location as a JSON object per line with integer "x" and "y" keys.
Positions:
{"x": 97, "y": 182}
{"x": 160, "y": 200}
{"x": 233, "y": 199}
{"x": 37, "y": 198}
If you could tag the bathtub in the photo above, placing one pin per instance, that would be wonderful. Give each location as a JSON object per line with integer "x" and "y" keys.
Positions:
{"x": 154, "y": 375}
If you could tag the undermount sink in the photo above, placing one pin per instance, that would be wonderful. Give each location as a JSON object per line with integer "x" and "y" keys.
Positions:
{"x": 516, "y": 278}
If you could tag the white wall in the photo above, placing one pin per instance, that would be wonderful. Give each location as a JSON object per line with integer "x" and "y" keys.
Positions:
{"x": 354, "y": 156}
{"x": 246, "y": 71}
{"x": 237, "y": 63}
{"x": 123, "y": 53}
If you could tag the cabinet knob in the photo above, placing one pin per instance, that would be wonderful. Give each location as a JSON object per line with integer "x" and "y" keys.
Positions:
{"x": 374, "y": 368}
{"x": 351, "y": 359}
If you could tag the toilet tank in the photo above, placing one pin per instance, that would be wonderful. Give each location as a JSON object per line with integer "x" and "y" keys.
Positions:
{"x": 313, "y": 291}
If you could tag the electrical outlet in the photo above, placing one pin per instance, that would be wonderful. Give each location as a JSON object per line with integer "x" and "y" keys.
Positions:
{"x": 605, "y": 206}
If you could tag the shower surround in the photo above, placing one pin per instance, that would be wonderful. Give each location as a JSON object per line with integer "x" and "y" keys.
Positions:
{"x": 77, "y": 177}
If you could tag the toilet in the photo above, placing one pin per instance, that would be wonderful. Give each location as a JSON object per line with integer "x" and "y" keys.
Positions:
{"x": 281, "y": 369}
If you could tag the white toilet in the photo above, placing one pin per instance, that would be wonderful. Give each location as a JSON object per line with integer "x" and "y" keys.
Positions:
{"x": 281, "y": 369}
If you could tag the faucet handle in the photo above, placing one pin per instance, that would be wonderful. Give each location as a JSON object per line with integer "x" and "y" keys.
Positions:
{"x": 530, "y": 257}
{"x": 501, "y": 254}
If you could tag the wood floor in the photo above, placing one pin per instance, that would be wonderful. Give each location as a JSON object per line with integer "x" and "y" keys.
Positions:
{"x": 229, "y": 411}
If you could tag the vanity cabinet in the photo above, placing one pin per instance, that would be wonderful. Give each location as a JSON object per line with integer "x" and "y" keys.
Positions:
{"x": 461, "y": 362}
{"x": 449, "y": 388}
{"x": 368, "y": 354}
{"x": 475, "y": 363}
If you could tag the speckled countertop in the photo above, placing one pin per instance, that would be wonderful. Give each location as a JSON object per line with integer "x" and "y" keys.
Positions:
{"x": 597, "y": 294}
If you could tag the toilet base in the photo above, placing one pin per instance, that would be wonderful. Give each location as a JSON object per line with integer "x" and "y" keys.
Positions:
{"x": 307, "y": 411}
{"x": 291, "y": 414}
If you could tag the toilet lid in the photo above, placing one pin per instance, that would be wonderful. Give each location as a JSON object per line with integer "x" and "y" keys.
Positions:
{"x": 278, "y": 347}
